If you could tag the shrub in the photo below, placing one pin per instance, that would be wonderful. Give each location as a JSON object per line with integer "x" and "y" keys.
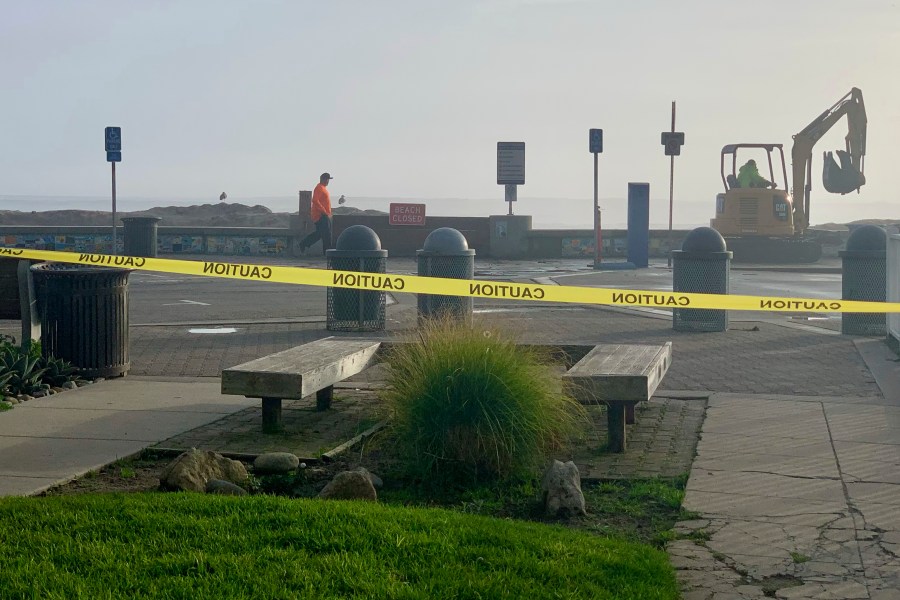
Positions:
{"x": 23, "y": 368}
{"x": 467, "y": 402}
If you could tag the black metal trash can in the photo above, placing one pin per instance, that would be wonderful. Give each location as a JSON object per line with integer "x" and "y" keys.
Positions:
{"x": 703, "y": 265}
{"x": 140, "y": 236}
{"x": 84, "y": 316}
{"x": 446, "y": 253}
{"x": 864, "y": 277}
{"x": 357, "y": 249}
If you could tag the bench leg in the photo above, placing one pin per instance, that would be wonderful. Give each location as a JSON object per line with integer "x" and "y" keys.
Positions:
{"x": 271, "y": 415}
{"x": 323, "y": 398}
{"x": 615, "y": 429}
{"x": 629, "y": 414}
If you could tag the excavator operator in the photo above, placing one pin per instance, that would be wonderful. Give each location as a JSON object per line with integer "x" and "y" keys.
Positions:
{"x": 749, "y": 177}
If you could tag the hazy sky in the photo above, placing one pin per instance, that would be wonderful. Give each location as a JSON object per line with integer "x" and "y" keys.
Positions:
{"x": 409, "y": 99}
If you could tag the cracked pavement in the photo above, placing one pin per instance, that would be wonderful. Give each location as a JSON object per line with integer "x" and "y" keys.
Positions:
{"x": 794, "y": 497}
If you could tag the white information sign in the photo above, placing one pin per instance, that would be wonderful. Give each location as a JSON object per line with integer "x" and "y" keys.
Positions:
{"x": 511, "y": 163}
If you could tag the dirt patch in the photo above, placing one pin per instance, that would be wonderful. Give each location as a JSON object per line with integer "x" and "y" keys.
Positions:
{"x": 137, "y": 475}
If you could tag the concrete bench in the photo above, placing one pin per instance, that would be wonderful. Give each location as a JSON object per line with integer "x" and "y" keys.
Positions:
{"x": 619, "y": 375}
{"x": 297, "y": 373}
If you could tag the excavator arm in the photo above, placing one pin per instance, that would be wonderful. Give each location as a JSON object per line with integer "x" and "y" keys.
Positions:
{"x": 836, "y": 179}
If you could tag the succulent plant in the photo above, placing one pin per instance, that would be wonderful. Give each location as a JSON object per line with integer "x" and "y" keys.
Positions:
{"x": 23, "y": 369}
{"x": 58, "y": 371}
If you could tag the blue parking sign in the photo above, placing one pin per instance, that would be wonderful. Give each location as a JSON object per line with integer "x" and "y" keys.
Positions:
{"x": 114, "y": 139}
{"x": 113, "y": 157}
{"x": 596, "y": 141}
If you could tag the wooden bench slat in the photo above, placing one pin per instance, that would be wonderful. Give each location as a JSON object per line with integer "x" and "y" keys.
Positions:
{"x": 300, "y": 371}
{"x": 620, "y": 372}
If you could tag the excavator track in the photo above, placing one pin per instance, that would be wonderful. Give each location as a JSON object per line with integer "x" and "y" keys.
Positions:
{"x": 774, "y": 250}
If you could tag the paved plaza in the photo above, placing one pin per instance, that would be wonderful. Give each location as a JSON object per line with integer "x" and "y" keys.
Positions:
{"x": 791, "y": 433}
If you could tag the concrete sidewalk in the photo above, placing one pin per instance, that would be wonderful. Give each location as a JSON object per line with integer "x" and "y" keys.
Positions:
{"x": 54, "y": 439}
{"x": 797, "y": 496}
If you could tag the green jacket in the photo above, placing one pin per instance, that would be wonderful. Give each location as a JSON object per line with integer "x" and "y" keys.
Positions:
{"x": 749, "y": 177}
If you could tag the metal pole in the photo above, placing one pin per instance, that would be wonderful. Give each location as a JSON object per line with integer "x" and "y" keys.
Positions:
{"x": 596, "y": 218}
{"x": 113, "y": 209}
{"x": 671, "y": 189}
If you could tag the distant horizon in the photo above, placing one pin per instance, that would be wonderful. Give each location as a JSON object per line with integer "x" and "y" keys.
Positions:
{"x": 545, "y": 212}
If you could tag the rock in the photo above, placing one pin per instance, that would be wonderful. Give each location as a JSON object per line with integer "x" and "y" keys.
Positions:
{"x": 24, "y": 398}
{"x": 69, "y": 385}
{"x": 11, "y": 399}
{"x": 349, "y": 485}
{"x": 562, "y": 490}
{"x": 377, "y": 483}
{"x": 194, "y": 468}
{"x": 83, "y": 382}
{"x": 224, "y": 488}
{"x": 57, "y": 389}
{"x": 99, "y": 379}
{"x": 275, "y": 462}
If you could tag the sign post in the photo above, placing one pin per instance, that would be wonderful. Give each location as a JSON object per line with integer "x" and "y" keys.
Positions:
{"x": 113, "y": 155}
{"x": 673, "y": 141}
{"x": 596, "y": 147}
{"x": 511, "y": 168}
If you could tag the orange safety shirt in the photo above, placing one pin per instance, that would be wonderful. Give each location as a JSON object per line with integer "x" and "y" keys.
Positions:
{"x": 321, "y": 203}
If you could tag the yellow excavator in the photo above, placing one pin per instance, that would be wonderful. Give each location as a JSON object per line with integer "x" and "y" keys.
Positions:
{"x": 759, "y": 219}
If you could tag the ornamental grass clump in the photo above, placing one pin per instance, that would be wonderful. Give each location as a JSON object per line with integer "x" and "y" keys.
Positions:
{"x": 467, "y": 402}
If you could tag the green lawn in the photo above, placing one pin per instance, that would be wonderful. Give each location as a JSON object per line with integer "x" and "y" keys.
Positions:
{"x": 198, "y": 546}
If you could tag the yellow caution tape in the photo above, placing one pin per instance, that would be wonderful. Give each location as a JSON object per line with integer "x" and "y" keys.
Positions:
{"x": 416, "y": 284}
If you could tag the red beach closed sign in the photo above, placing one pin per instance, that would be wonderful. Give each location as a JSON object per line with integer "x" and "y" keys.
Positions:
{"x": 407, "y": 214}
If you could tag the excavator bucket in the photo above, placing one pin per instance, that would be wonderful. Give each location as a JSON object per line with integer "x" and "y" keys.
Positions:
{"x": 843, "y": 178}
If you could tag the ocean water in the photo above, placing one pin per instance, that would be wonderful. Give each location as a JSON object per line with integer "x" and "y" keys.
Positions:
{"x": 546, "y": 213}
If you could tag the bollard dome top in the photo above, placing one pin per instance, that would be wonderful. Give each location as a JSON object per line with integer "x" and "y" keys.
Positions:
{"x": 868, "y": 238}
{"x": 358, "y": 238}
{"x": 446, "y": 240}
{"x": 704, "y": 239}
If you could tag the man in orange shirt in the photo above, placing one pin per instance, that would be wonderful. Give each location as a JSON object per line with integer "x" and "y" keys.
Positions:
{"x": 320, "y": 213}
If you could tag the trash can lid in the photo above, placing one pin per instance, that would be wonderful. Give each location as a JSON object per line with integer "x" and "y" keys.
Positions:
{"x": 704, "y": 239}
{"x": 55, "y": 269}
{"x": 446, "y": 240}
{"x": 868, "y": 238}
{"x": 358, "y": 238}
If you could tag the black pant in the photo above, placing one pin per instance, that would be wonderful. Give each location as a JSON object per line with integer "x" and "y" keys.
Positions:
{"x": 322, "y": 232}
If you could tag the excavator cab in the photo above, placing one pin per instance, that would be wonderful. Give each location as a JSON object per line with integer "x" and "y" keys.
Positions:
{"x": 751, "y": 204}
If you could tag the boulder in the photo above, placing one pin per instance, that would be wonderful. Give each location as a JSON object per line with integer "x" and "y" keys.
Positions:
{"x": 561, "y": 485}
{"x": 275, "y": 462}
{"x": 224, "y": 488}
{"x": 349, "y": 485}
{"x": 377, "y": 483}
{"x": 194, "y": 468}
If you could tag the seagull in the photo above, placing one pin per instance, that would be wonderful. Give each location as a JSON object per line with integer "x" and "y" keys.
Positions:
{"x": 222, "y": 196}
{"x": 341, "y": 200}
